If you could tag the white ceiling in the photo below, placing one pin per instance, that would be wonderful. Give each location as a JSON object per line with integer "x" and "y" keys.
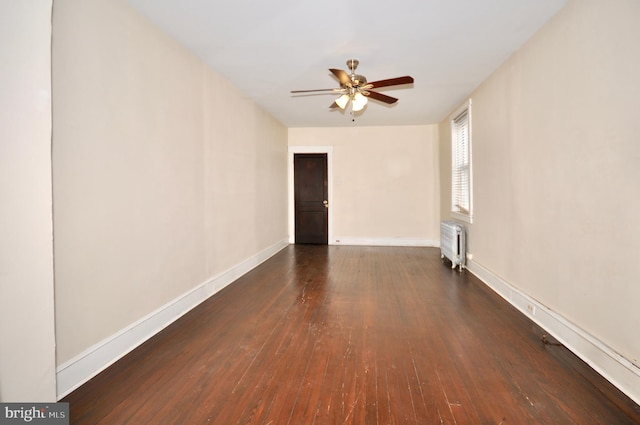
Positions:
{"x": 269, "y": 47}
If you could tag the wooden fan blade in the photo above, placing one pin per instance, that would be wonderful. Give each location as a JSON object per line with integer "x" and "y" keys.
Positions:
{"x": 342, "y": 76}
{"x": 309, "y": 91}
{"x": 381, "y": 97}
{"x": 333, "y": 105}
{"x": 391, "y": 82}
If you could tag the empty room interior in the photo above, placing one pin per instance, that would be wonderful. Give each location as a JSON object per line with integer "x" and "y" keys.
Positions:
{"x": 151, "y": 209}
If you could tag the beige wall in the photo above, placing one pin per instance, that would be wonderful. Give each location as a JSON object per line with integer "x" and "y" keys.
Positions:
{"x": 27, "y": 350}
{"x": 556, "y": 174}
{"x": 164, "y": 175}
{"x": 385, "y": 182}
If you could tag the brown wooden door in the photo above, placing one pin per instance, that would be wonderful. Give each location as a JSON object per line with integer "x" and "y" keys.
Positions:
{"x": 311, "y": 201}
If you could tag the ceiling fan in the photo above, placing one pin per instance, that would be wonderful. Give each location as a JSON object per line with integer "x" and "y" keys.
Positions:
{"x": 354, "y": 88}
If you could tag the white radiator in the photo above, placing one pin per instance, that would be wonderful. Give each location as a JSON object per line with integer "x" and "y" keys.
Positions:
{"x": 452, "y": 243}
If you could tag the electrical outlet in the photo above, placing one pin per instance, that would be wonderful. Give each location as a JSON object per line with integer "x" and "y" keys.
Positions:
{"x": 469, "y": 256}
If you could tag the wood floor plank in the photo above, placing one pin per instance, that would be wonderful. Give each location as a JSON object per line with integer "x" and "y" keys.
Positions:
{"x": 325, "y": 335}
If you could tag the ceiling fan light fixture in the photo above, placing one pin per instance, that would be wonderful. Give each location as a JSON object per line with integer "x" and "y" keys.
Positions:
{"x": 342, "y": 101}
{"x": 359, "y": 101}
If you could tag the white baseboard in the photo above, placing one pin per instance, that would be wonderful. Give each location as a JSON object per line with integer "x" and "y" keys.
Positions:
{"x": 77, "y": 371}
{"x": 386, "y": 242}
{"x": 603, "y": 359}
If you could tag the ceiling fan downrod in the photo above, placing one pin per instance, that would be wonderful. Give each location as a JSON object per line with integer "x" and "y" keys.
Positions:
{"x": 356, "y": 79}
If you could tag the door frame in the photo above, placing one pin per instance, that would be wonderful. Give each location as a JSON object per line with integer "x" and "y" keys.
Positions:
{"x": 310, "y": 149}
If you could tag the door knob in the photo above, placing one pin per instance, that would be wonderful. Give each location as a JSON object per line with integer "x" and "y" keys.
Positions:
{"x": 325, "y": 203}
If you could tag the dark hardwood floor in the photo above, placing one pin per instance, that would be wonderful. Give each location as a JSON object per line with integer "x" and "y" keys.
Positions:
{"x": 351, "y": 335}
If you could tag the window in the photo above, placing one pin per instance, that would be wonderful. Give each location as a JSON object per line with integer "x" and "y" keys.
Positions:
{"x": 461, "y": 164}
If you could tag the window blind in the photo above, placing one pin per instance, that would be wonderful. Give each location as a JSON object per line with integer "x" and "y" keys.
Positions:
{"x": 461, "y": 164}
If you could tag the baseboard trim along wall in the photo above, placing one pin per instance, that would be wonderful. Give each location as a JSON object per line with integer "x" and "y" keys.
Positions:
{"x": 612, "y": 366}
{"x": 77, "y": 371}
{"x": 386, "y": 242}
